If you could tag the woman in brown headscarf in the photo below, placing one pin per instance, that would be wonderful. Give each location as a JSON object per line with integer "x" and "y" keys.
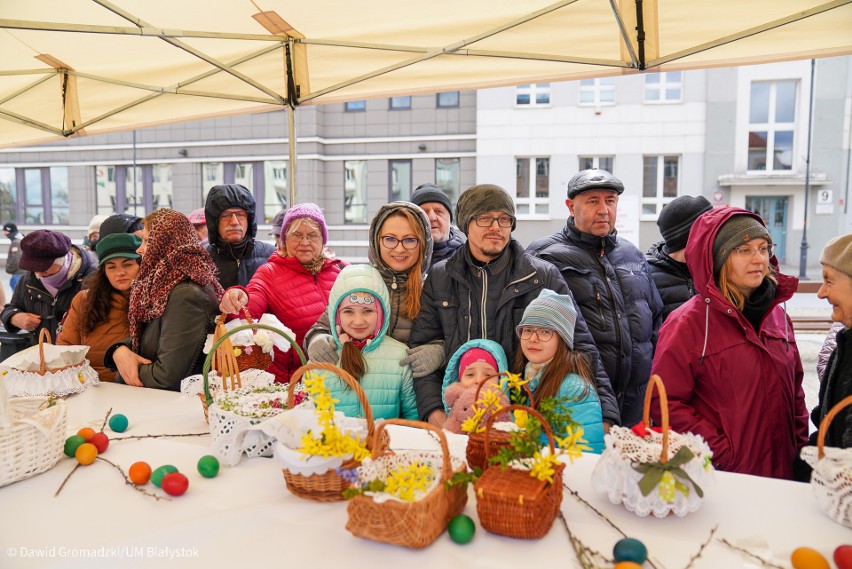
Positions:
{"x": 173, "y": 303}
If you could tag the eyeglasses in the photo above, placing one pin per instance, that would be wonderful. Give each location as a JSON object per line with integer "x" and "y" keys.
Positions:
{"x": 543, "y": 334}
{"x": 239, "y": 214}
{"x": 299, "y": 237}
{"x": 749, "y": 252}
{"x": 407, "y": 243}
{"x": 488, "y": 220}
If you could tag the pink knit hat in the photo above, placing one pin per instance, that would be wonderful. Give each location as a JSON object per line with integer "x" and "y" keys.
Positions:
{"x": 308, "y": 210}
{"x": 474, "y": 355}
{"x": 361, "y": 298}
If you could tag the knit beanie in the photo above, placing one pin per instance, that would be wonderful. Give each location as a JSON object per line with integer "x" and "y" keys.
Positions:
{"x": 838, "y": 254}
{"x": 552, "y": 310}
{"x": 95, "y": 224}
{"x": 426, "y": 193}
{"x": 474, "y": 355}
{"x": 480, "y": 199}
{"x": 677, "y": 218}
{"x": 362, "y": 298}
{"x": 308, "y": 210}
{"x": 738, "y": 230}
{"x": 41, "y": 248}
{"x": 277, "y": 222}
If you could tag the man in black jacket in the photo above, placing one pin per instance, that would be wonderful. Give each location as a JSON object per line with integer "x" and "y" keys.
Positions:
{"x": 612, "y": 284}
{"x": 446, "y": 238}
{"x": 482, "y": 291}
{"x": 231, "y": 228}
{"x": 666, "y": 258}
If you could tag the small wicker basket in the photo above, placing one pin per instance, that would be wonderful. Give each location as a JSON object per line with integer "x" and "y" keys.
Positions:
{"x": 329, "y": 487}
{"x": 513, "y": 503}
{"x": 832, "y": 471}
{"x": 410, "y": 524}
{"x": 476, "y": 451}
{"x": 32, "y": 435}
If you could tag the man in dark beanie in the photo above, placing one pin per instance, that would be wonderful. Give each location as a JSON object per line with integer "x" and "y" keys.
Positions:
{"x": 56, "y": 271}
{"x": 231, "y": 228}
{"x": 121, "y": 223}
{"x": 445, "y": 237}
{"x": 481, "y": 291}
{"x": 612, "y": 284}
{"x": 666, "y": 258}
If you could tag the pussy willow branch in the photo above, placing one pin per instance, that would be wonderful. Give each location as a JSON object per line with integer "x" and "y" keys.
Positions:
{"x": 61, "y": 486}
{"x": 165, "y": 435}
{"x": 695, "y": 557}
{"x": 745, "y": 551}
{"x": 106, "y": 419}
{"x": 130, "y": 482}
{"x": 585, "y": 554}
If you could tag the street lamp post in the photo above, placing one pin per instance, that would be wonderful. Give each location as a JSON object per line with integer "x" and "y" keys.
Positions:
{"x": 803, "y": 258}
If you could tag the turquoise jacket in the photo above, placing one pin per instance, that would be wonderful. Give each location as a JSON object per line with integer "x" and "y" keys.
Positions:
{"x": 389, "y": 386}
{"x": 452, "y": 374}
{"x": 585, "y": 411}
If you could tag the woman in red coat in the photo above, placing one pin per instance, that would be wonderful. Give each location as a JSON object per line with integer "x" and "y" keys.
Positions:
{"x": 728, "y": 357}
{"x": 294, "y": 285}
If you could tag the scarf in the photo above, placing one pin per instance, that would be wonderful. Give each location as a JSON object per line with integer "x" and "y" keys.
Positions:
{"x": 173, "y": 255}
{"x": 54, "y": 282}
{"x": 757, "y": 305}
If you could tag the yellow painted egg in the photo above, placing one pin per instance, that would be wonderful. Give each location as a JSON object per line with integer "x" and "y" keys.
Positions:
{"x": 807, "y": 558}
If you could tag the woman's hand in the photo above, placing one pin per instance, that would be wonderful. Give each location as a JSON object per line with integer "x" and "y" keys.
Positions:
{"x": 25, "y": 321}
{"x": 437, "y": 418}
{"x": 127, "y": 361}
{"x": 233, "y": 301}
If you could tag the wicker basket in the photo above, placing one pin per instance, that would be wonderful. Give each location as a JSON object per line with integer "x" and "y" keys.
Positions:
{"x": 32, "y": 435}
{"x": 329, "y": 487}
{"x": 510, "y": 502}
{"x": 476, "y": 452}
{"x": 832, "y": 471}
{"x": 410, "y": 524}
{"x": 257, "y": 359}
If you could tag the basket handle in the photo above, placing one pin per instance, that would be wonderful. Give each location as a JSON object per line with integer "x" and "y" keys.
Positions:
{"x": 345, "y": 376}
{"x": 222, "y": 363}
{"x": 530, "y": 410}
{"x": 657, "y": 382}
{"x": 823, "y": 425}
{"x": 208, "y": 362}
{"x": 45, "y": 333}
{"x": 447, "y": 467}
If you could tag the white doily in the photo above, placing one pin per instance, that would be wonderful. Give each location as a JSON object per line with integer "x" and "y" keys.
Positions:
{"x": 615, "y": 475}
{"x": 262, "y": 338}
{"x": 68, "y": 381}
{"x": 380, "y": 468}
{"x": 832, "y": 481}
{"x": 194, "y": 384}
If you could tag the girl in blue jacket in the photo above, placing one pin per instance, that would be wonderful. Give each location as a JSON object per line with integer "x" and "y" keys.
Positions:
{"x": 358, "y": 305}
{"x": 547, "y": 358}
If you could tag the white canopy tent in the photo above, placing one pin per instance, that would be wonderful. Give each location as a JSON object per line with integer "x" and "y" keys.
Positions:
{"x": 76, "y": 67}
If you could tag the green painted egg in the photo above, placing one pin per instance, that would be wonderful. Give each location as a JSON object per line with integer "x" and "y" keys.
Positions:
{"x": 629, "y": 549}
{"x": 159, "y": 473}
{"x": 71, "y": 444}
{"x": 118, "y": 423}
{"x": 461, "y": 529}
{"x": 208, "y": 466}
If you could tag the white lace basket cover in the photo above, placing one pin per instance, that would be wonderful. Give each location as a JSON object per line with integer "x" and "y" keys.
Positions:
{"x": 66, "y": 371}
{"x": 237, "y": 419}
{"x": 251, "y": 378}
{"x": 32, "y": 435}
{"x": 289, "y": 427}
{"x": 384, "y": 465}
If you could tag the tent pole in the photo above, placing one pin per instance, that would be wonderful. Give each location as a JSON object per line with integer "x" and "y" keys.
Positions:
{"x": 292, "y": 102}
{"x": 640, "y": 35}
{"x": 803, "y": 257}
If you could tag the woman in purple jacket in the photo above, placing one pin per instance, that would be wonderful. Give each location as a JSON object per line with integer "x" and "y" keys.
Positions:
{"x": 728, "y": 357}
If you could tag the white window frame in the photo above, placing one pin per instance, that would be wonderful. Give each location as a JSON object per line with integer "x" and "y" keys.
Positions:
{"x": 533, "y": 90}
{"x": 596, "y": 88}
{"x": 539, "y": 206}
{"x": 596, "y": 162}
{"x": 658, "y": 200}
{"x": 771, "y": 127}
{"x": 663, "y": 86}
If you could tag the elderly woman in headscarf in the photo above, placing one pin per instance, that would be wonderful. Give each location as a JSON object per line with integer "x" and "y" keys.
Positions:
{"x": 173, "y": 304}
{"x": 294, "y": 285}
{"x": 400, "y": 249}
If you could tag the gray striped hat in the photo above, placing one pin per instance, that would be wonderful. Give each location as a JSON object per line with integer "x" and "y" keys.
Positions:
{"x": 552, "y": 310}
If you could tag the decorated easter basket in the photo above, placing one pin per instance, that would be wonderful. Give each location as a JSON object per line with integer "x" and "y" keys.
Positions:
{"x": 652, "y": 472}
{"x": 414, "y": 523}
{"x": 513, "y": 503}
{"x": 32, "y": 435}
{"x": 476, "y": 450}
{"x": 831, "y": 479}
{"x": 256, "y": 358}
{"x": 328, "y": 486}
{"x": 56, "y": 380}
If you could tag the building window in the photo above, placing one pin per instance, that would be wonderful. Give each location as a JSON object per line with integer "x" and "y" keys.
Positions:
{"x": 8, "y": 195}
{"x": 659, "y": 184}
{"x": 44, "y": 194}
{"x": 772, "y": 116}
{"x": 266, "y": 180}
{"x": 137, "y": 191}
{"x": 448, "y": 177}
{"x": 355, "y": 191}
{"x": 276, "y": 191}
{"x": 448, "y": 100}
{"x": 536, "y": 94}
{"x": 598, "y": 162}
{"x": 355, "y": 106}
{"x": 532, "y": 192}
{"x": 596, "y": 92}
{"x": 666, "y": 87}
{"x": 399, "y": 103}
{"x": 399, "y": 184}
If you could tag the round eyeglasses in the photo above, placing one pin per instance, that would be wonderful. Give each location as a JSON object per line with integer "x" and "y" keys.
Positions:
{"x": 543, "y": 334}
{"x": 746, "y": 252}
{"x": 488, "y": 220}
{"x": 390, "y": 242}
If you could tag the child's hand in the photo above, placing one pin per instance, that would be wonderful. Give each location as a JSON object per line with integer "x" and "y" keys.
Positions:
{"x": 342, "y": 336}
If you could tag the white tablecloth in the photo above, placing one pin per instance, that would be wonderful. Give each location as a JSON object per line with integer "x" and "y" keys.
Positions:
{"x": 245, "y": 517}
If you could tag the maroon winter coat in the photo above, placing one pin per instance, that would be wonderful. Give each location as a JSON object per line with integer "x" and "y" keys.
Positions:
{"x": 739, "y": 390}
{"x": 284, "y": 288}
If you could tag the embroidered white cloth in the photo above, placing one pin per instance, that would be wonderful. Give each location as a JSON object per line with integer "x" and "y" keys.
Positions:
{"x": 194, "y": 384}
{"x": 68, "y": 381}
{"x": 386, "y": 464}
{"x": 832, "y": 481}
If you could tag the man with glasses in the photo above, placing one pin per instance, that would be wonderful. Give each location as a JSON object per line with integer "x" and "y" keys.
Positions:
{"x": 612, "y": 284}
{"x": 482, "y": 291}
{"x": 231, "y": 228}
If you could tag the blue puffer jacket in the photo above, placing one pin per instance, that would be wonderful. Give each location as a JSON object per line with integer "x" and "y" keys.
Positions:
{"x": 585, "y": 411}
{"x": 452, "y": 374}
{"x": 389, "y": 387}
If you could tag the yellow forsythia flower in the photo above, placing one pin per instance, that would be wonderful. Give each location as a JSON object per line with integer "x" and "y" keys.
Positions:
{"x": 409, "y": 482}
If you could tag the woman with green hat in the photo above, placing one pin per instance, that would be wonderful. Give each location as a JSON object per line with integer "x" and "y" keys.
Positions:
{"x": 98, "y": 314}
